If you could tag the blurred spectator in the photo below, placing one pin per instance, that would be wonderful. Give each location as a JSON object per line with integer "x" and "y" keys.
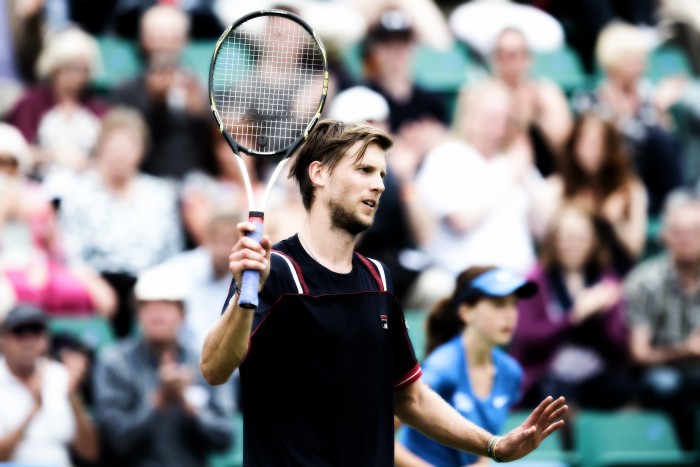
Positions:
{"x": 117, "y": 220}
{"x": 478, "y": 23}
{"x": 481, "y": 187}
{"x": 43, "y": 418}
{"x": 595, "y": 171}
{"x": 60, "y": 115}
{"x": 387, "y": 53}
{"x": 571, "y": 339}
{"x": 21, "y": 35}
{"x": 168, "y": 96}
{"x": 207, "y": 272}
{"x": 216, "y": 185}
{"x": 539, "y": 105}
{"x": 583, "y": 20}
{"x": 121, "y": 17}
{"x": 152, "y": 405}
{"x": 465, "y": 365}
{"x": 626, "y": 99}
{"x": 663, "y": 296}
{"x": 678, "y": 97}
{"x": 427, "y": 18}
{"x": 31, "y": 249}
{"x": 681, "y": 19}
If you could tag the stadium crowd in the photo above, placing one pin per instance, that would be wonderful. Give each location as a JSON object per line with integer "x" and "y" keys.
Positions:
{"x": 119, "y": 201}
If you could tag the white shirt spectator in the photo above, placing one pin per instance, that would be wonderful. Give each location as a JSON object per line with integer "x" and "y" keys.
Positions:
{"x": 49, "y": 434}
{"x": 121, "y": 235}
{"x": 456, "y": 178}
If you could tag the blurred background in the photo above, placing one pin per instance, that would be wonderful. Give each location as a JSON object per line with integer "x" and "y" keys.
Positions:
{"x": 557, "y": 139}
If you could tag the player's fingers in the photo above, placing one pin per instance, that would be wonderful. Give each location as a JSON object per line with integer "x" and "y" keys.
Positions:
{"x": 266, "y": 244}
{"x": 552, "y": 428}
{"x": 557, "y": 414}
{"x": 537, "y": 413}
{"x": 249, "y": 244}
{"x": 248, "y": 264}
{"x": 251, "y": 255}
{"x": 245, "y": 227}
{"x": 552, "y": 407}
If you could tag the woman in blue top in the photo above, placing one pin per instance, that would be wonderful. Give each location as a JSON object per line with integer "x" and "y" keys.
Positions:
{"x": 465, "y": 364}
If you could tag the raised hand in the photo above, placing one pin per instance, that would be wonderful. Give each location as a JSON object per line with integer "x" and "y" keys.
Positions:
{"x": 542, "y": 422}
{"x": 248, "y": 254}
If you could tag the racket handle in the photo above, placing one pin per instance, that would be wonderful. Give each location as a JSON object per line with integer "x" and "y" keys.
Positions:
{"x": 251, "y": 277}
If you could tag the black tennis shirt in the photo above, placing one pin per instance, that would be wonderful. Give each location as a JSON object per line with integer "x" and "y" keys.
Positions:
{"x": 326, "y": 352}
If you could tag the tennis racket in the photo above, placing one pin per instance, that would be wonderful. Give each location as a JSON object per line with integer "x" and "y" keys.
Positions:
{"x": 267, "y": 84}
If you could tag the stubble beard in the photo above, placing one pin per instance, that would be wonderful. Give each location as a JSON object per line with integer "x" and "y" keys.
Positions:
{"x": 347, "y": 221}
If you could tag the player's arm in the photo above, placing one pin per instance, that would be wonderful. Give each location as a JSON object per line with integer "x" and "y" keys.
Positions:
{"x": 422, "y": 408}
{"x": 227, "y": 342}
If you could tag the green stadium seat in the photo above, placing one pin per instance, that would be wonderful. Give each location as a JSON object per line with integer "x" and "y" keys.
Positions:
{"x": 415, "y": 319}
{"x": 197, "y": 58}
{"x": 667, "y": 60}
{"x": 234, "y": 456}
{"x": 94, "y": 331}
{"x": 562, "y": 66}
{"x": 550, "y": 453}
{"x": 121, "y": 61}
{"x": 631, "y": 439}
{"x": 442, "y": 71}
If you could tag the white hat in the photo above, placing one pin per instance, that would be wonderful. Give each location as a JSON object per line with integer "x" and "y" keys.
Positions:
{"x": 12, "y": 142}
{"x": 359, "y": 104}
{"x": 161, "y": 283}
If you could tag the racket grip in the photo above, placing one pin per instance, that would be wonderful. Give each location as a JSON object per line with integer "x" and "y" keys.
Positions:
{"x": 251, "y": 277}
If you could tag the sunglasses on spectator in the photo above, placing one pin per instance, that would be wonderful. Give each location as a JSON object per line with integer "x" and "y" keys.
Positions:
{"x": 32, "y": 330}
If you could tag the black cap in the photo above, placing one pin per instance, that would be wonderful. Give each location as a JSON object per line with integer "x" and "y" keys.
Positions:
{"x": 392, "y": 25}
{"x": 23, "y": 315}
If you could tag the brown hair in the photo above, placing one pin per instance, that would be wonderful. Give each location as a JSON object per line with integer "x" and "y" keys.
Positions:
{"x": 616, "y": 170}
{"x": 443, "y": 321}
{"x": 599, "y": 256}
{"x": 328, "y": 143}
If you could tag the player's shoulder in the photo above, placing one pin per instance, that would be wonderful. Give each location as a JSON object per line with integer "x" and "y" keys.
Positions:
{"x": 379, "y": 271}
{"x": 285, "y": 269}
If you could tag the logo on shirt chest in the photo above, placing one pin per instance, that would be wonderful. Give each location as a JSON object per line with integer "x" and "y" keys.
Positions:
{"x": 385, "y": 321}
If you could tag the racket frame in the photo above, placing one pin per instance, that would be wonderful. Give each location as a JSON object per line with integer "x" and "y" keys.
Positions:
{"x": 249, "y": 298}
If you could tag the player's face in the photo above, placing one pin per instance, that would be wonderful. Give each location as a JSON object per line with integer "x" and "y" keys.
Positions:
{"x": 492, "y": 319}
{"x": 355, "y": 188}
{"x": 160, "y": 320}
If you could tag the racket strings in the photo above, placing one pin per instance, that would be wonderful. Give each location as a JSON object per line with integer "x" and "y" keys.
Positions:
{"x": 267, "y": 81}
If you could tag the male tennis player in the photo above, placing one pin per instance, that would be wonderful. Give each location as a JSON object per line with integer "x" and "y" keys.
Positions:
{"x": 325, "y": 359}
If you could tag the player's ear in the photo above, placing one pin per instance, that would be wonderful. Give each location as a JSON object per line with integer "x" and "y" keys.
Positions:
{"x": 318, "y": 174}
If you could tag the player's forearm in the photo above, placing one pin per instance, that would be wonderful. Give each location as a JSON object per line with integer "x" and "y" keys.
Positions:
{"x": 423, "y": 409}
{"x": 226, "y": 344}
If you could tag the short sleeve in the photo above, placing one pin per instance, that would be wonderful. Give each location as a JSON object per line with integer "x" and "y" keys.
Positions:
{"x": 406, "y": 367}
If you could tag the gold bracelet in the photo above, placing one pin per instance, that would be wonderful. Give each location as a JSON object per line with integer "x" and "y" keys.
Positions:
{"x": 493, "y": 450}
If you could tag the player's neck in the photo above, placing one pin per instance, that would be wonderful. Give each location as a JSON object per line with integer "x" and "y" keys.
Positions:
{"x": 328, "y": 246}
